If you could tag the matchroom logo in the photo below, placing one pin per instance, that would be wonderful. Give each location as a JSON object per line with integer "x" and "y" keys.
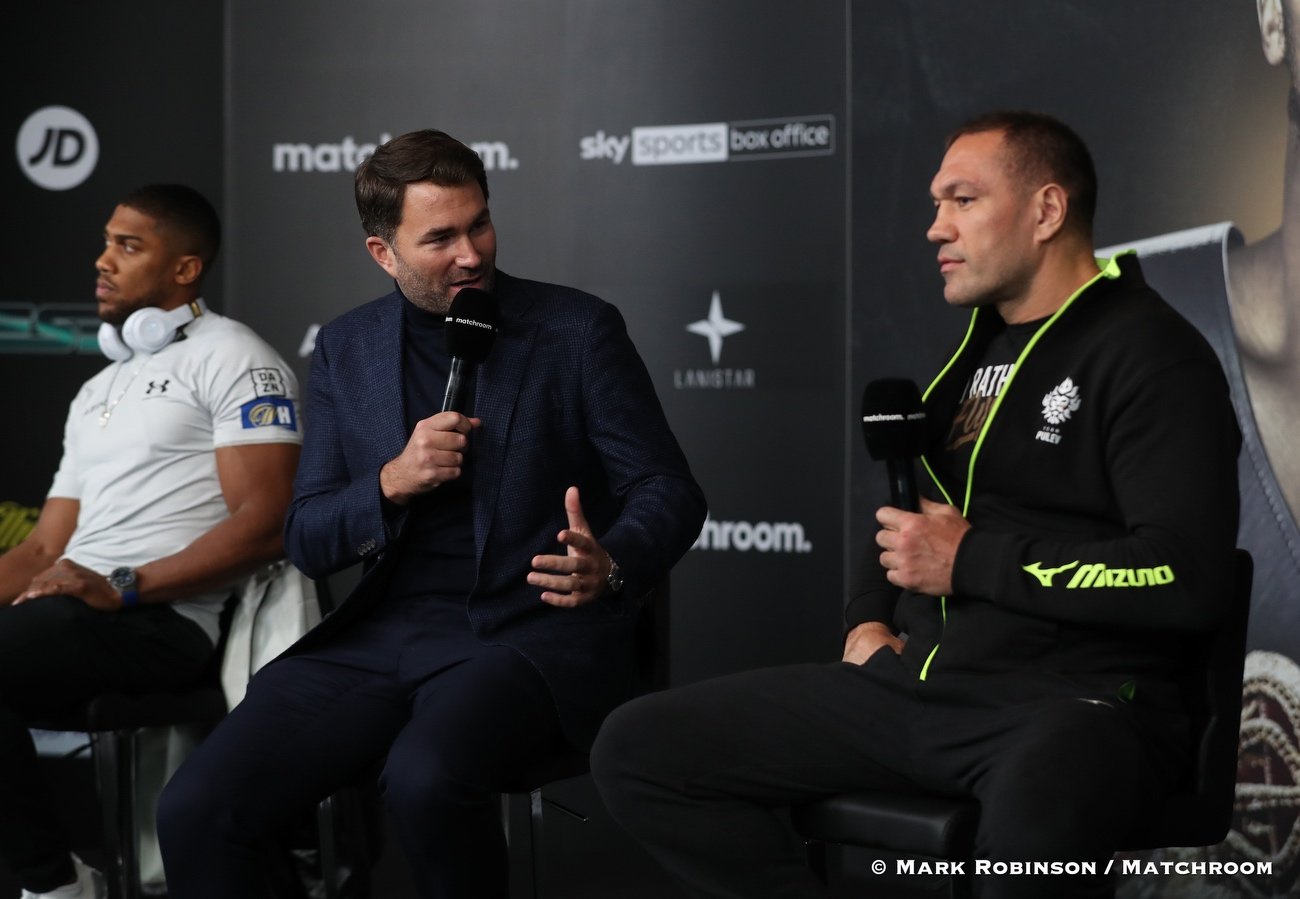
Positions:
{"x": 715, "y": 328}
{"x": 753, "y": 536}
{"x": 715, "y": 141}
{"x": 347, "y": 154}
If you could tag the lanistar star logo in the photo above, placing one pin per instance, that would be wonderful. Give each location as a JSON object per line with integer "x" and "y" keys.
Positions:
{"x": 716, "y": 327}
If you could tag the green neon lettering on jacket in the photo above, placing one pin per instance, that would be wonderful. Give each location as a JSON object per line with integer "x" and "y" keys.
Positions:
{"x": 1096, "y": 574}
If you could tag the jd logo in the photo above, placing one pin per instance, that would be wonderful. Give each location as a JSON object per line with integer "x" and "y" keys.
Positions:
{"x": 62, "y": 147}
{"x": 57, "y": 148}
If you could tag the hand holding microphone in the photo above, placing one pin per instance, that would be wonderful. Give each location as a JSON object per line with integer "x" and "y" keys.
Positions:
{"x": 918, "y": 538}
{"x": 435, "y": 453}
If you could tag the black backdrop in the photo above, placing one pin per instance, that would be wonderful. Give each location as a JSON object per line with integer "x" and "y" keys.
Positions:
{"x": 604, "y": 125}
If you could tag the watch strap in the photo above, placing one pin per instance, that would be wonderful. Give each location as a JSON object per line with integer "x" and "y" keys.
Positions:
{"x": 613, "y": 580}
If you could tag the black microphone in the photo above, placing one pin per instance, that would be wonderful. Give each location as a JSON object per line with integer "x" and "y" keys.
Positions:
{"x": 471, "y": 329}
{"x": 893, "y": 424}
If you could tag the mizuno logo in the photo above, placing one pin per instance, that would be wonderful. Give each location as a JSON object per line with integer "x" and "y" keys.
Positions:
{"x": 1098, "y": 575}
{"x": 1045, "y": 575}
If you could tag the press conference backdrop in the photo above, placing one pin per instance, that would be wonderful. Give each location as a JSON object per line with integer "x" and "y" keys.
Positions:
{"x": 684, "y": 161}
{"x": 747, "y": 181}
{"x": 95, "y": 102}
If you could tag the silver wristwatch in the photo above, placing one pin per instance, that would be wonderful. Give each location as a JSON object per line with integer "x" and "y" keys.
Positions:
{"x": 123, "y": 581}
{"x": 613, "y": 580}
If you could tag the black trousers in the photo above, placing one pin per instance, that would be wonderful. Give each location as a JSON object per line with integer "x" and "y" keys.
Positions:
{"x": 452, "y": 722}
{"x": 698, "y": 773}
{"x": 56, "y": 653}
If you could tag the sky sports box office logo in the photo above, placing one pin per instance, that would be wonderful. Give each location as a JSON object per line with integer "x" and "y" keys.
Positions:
{"x": 715, "y": 141}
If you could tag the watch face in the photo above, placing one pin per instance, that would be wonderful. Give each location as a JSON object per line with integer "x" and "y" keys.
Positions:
{"x": 122, "y": 578}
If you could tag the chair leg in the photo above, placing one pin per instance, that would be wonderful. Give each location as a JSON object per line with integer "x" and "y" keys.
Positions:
{"x": 523, "y": 826}
{"x": 104, "y": 752}
{"x": 516, "y": 811}
{"x": 535, "y": 845}
{"x": 114, "y": 756}
{"x": 128, "y": 871}
{"x": 329, "y": 865}
{"x": 358, "y": 841}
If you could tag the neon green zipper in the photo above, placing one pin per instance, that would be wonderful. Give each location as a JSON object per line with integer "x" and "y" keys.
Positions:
{"x": 1109, "y": 270}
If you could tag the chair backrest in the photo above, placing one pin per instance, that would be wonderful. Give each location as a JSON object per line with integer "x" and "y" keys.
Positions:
{"x": 653, "y": 647}
{"x": 652, "y": 673}
{"x": 1201, "y": 814}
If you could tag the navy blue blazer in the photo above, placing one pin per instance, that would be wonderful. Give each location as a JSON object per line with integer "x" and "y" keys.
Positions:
{"x": 565, "y": 400}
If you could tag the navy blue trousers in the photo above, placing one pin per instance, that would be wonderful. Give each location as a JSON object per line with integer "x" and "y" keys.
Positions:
{"x": 700, "y": 774}
{"x": 55, "y": 654}
{"x": 451, "y": 721}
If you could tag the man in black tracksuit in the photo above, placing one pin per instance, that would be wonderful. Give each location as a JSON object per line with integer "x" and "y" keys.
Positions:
{"x": 1019, "y": 641}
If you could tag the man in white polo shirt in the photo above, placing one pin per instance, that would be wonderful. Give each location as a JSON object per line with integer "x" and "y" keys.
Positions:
{"x": 177, "y": 468}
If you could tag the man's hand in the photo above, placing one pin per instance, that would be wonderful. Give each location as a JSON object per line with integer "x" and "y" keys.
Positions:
{"x": 863, "y": 641}
{"x": 66, "y": 578}
{"x": 432, "y": 456}
{"x": 578, "y": 577}
{"x": 919, "y": 547}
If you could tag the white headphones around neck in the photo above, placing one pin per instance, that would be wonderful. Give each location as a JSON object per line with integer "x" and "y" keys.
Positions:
{"x": 147, "y": 330}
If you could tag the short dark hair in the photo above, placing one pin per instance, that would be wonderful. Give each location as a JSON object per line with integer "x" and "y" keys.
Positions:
{"x": 1043, "y": 150}
{"x": 185, "y": 214}
{"x": 427, "y": 155}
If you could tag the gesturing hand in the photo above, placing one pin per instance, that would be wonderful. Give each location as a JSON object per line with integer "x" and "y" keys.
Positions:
{"x": 578, "y": 577}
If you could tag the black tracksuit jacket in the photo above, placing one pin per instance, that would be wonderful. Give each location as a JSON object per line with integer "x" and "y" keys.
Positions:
{"x": 1099, "y": 542}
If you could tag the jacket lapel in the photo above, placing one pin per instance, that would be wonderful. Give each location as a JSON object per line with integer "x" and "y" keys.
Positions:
{"x": 496, "y": 392}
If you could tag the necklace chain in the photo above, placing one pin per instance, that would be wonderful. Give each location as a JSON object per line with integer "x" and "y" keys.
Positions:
{"x": 109, "y": 406}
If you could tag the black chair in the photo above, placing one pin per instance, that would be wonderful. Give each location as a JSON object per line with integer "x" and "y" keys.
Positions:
{"x": 525, "y": 804}
{"x": 938, "y": 828}
{"x": 113, "y": 721}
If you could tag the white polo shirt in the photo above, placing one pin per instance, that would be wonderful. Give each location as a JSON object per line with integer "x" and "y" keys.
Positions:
{"x": 139, "y": 440}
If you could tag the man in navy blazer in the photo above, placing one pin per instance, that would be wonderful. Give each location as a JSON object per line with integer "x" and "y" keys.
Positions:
{"x": 505, "y": 548}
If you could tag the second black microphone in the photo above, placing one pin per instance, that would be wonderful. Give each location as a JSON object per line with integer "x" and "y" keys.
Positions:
{"x": 893, "y": 424}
